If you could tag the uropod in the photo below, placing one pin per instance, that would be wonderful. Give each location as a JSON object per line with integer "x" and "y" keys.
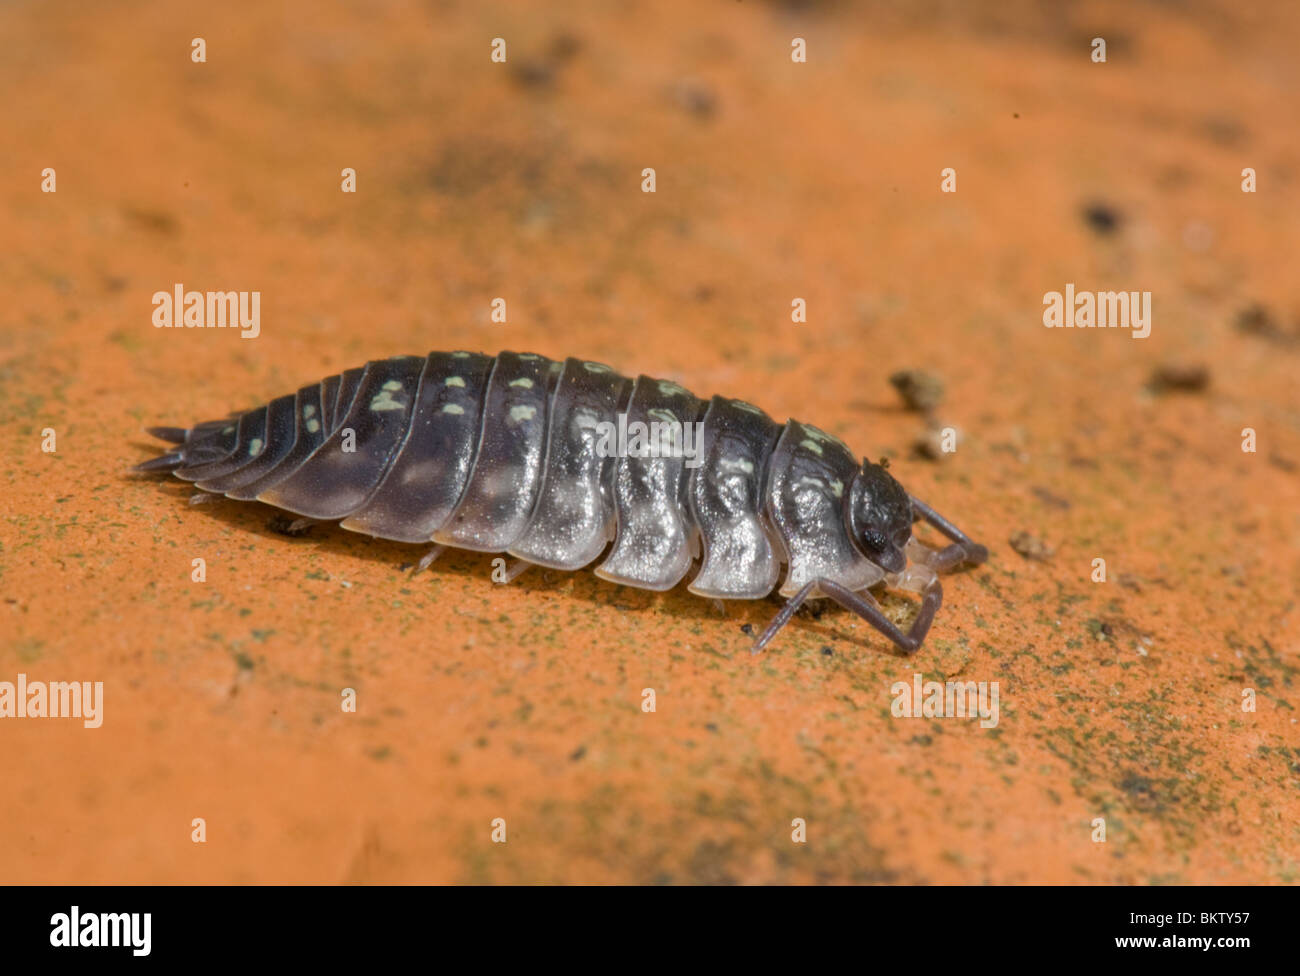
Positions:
{"x": 528, "y": 456}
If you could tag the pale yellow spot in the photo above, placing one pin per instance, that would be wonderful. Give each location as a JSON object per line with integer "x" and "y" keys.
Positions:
{"x": 669, "y": 388}
{"x": 747, "y": 407}
{"x": 453, "y": 409}
{"x": 523, "y": 381}
{"x": 455, "y": 381}
{"x": 665, "y": 416}
{"x": 313, "y": 426}
{"x": 255, "y": 447}
{"x": 384, "y": 401}
{"x": 393, "y": 385}
{"x": 596, "y": 368}
{"x": 460, "y": 355}
{"x": 811, "y": 445}
{"x": 529, "y": 355}
{"x": 821, "y": 435}
{"x": 309, "y": 411}
{"x": 837, "y": 489}
{"x": 521, "y": 414}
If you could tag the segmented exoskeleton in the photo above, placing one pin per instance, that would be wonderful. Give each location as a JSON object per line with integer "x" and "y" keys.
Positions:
{"x": 510, "y": 454}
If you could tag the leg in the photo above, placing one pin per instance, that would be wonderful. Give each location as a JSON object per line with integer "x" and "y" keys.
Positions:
{"x": 427, "y": 559}
{"x": 866, "y": 607}
{"x": 168, "y": 462}
{"x": 173, "y": 435}
{"x": 517, "y": 569}
{"x": 964, "y": 549}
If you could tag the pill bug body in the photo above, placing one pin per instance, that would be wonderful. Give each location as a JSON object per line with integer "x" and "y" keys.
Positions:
{"x": 512, "y": 454}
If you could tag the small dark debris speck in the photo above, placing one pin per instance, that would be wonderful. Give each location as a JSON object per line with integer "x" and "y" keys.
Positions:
{"x": 697, "y": 99}
{"x": 287, "y": 525}
{"x": 1179, "y": 378}
{"x": 156, "y": 221}
{"x": 1030, "y": 546}
{"x": 578, "y": 753}
{"x": 1102, "y": 218}
{"x": 828, "y": 651}
{"x": 1225, "y": 131}
{"x": 532, "y": 73}
{"x": 542, "y": 72}
{"x": 1258, "y": 320}
{"x": 747, "y": 630}
{"x": 928, "y": 444}
{"x": 564, "y": 47}
{"x": 1053, "y": 501}
{"x": 920, "y": 390}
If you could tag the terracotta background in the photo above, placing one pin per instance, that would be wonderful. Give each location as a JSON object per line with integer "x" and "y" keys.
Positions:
{"x": 775, "y": 180}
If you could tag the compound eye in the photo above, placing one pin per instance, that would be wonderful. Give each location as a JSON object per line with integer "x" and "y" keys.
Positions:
{"x": 875, "y": 542}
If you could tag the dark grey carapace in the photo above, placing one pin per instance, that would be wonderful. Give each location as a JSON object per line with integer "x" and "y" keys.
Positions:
{"x": 501, "y": 454}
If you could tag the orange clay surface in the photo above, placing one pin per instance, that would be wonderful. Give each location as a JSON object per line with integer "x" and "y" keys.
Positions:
{"x": 1120, "y": 700}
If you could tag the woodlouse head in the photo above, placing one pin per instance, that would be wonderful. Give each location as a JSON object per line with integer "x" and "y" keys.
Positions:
{"x": 878, "y": 513}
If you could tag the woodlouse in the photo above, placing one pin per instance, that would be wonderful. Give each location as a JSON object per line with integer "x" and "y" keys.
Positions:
{"x": 501, "y": 454}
